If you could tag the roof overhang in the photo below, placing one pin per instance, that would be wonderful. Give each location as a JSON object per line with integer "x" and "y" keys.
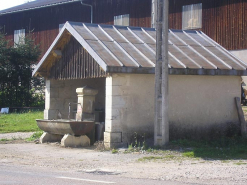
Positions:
{"x": 120, "y": 49}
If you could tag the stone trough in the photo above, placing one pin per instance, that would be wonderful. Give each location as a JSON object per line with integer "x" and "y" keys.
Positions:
{"x": 72, "y": 132}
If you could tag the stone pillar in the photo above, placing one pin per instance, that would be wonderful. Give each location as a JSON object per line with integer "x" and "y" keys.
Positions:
{"x": 114, "y": 105}
{"x": 48, "y": 112}
{"x": 86, "y": 104}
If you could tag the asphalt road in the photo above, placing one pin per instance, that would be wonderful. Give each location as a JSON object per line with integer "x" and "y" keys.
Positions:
{"x": 25, "y": 175}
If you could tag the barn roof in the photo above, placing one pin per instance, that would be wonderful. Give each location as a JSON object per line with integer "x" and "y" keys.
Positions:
{"x": 119, "y": 49}
{"x": 35, "y": 4}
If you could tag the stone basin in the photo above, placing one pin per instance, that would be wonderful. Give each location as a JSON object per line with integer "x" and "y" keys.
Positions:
{"x": 62, "y": 126}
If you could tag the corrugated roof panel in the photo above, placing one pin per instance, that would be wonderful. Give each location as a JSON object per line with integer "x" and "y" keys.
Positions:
{"x": 98, "y": 32}
{"x": 174, "y": 63}
{"x": 200, "y": 39}
{"x": 83, "y": 32}
{"x": 210, "y": 57}
{"x": 196, "y": 57}
{"x": 106, "y": 56}
{"x": 120, "y": 54}
{"x": 185, "y": 38}
{"x": 146, "y": 51}
{"x": 115, "y": 36}
{"x": 182, "y": 57}
{"x": 151, "y": 32}
{"x": 130, "y": 37}
{"x": 175, "y": 40}
{"x": 225, "y": 57}
{"x": 136, "y": 55}
{"x": 152, "y": 46}
{"x": 143, "y": 36}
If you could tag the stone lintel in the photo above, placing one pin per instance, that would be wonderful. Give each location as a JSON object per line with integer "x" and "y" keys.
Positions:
{"x": 86, "y": 91}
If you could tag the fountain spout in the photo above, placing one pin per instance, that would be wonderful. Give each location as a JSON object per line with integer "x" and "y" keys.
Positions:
{"x": 70, "y": 108}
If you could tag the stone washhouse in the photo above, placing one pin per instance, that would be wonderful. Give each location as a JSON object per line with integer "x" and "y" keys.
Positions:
{"x": 119, "y": 62}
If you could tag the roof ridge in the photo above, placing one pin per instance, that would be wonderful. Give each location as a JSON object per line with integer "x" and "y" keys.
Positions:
{"x": 35, "y": 5}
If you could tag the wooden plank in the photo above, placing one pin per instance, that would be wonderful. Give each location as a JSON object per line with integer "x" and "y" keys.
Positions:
{"x": 241, "y": 117}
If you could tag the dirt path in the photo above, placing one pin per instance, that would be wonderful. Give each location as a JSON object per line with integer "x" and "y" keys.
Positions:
{"x": 131, "y": 165}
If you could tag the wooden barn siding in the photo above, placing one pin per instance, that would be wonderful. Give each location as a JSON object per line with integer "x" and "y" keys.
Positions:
{"x": 139, "y": 11}
{"x": 225, "y": 21}
{"x": 75, "y": 63}
{"x": 44, "y": 22}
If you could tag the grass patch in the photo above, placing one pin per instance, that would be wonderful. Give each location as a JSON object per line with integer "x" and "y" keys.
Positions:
{"x": 188, "y": 154}
{"x": 4, "y": 139}
{"x": 23, "y": 122}
{"x": 241, "y": 163}
{"x": 150, "y": 158}
{"x": 35, "y": 136}
{"x": 223, "y": 149}
{"x": 114, "y": 151}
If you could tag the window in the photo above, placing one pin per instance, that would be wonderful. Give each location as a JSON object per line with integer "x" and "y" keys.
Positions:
{"x": 19, "y": 37}
{"x": 192, "y": 16}
{"x": 121, "y": 20}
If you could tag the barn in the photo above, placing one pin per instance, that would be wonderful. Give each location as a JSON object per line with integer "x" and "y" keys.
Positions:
{"x": 119, "y": 62}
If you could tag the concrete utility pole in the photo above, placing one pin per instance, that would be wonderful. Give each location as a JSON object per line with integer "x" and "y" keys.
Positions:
{"x": 161, "y": 125}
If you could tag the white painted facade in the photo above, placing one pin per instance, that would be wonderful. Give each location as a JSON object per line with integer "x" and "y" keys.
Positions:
{"x": 198, "y": 106}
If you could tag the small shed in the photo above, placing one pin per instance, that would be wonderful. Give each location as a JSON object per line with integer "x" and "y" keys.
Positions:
{"x": 119, "y": 62}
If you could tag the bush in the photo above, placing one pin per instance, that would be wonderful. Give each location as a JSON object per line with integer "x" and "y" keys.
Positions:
{"x": 17, "y": 87}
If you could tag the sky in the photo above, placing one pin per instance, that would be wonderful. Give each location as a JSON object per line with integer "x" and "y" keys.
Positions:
{"x": 4, "y": 4}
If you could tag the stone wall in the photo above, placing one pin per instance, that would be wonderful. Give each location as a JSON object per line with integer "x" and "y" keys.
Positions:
{"x": 199, "y": 106}
{"x": 59, "y": 93}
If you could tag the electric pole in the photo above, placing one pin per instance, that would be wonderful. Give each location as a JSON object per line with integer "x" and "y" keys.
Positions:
{"x": 161, "y": 125}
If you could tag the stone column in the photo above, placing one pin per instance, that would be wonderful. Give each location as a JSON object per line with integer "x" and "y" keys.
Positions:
{"x": 48, "y": 112}
{"x": 86, "y": 104}
{"x": 113, "y": 114}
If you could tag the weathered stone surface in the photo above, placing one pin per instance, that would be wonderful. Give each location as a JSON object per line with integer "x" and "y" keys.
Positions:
{"x": 113, "y": 137}
{"x": 46, "y": 137}
{"x": 72, "y": 141}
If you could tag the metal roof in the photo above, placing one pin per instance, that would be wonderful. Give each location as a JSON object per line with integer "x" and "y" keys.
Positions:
{"x": 132, "y": 50}
{"x": 35, "y": 4}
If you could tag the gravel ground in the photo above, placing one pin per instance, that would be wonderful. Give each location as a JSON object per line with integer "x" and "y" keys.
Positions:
{"x": 131, "y": 165}
{"x": 17, "y": 135}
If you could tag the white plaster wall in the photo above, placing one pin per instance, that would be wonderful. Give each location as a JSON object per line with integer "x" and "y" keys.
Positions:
{"x": 196, "y": 103}
{"x": 202, "y": 105}
{"x": 62, "y": 92}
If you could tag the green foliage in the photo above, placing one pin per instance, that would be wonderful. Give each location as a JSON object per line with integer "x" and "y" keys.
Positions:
{"x": 138, "y": 144}
{"x": 35, "y": 136}
{"x": 24, "y": 122}
{"x": 17, "y": 87}
{"x": 114, "y": 151}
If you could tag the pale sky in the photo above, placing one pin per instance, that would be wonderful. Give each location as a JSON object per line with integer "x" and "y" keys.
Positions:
{"x": 4, "y": 4}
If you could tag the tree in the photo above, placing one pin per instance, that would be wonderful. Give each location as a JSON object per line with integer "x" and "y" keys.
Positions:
{"x": 17, "y": 87}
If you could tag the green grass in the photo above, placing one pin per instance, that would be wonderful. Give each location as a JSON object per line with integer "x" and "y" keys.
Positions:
{"x": 150, "y": 158}
{"x": 223, "y": 149}
{"x": 23, "y": 122}
{"x": 35, "y": 136}
{"x": 114, "y": 151}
